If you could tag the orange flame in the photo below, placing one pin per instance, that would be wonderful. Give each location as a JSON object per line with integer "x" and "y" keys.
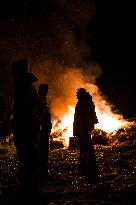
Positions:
{"x": 66, "y": 125}
{"x": 108, "y": 123}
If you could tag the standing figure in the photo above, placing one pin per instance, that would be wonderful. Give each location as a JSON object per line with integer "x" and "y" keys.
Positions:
{"x": 84, "y": 120}
{"x": 45, "y": 130}
{"x": 25, "y": 124}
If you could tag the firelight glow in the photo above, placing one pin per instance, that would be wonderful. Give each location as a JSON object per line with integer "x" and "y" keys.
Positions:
{"x": 66, "y": 125}
{"x": 108, "y": 123}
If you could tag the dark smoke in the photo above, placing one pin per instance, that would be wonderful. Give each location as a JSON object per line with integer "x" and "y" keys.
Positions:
{"x": 52, "y": 35}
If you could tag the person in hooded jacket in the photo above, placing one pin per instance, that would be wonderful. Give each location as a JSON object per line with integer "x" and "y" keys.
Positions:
{"x": 84, "y": 121}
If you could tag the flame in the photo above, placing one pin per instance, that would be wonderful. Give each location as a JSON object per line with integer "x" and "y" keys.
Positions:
{"x": 66, "y": 125}
{"x": 107, "y": 122}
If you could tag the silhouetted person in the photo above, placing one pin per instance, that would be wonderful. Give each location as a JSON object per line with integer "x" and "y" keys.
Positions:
{"x": 25, "y": 124}
{"x": 45, "y": 130}
{"x": 84, "y": 120}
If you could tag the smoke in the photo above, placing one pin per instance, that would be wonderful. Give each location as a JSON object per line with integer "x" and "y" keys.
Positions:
{"x": 56, "y": 46}
{"x": 58, "y": 32}
{"x": 77, "y": 14}
{"x": 64, "y": 65}
{"x": 63, "y": 82}
{"x": 103, "y": 105}
{"x": 51, "y": 31}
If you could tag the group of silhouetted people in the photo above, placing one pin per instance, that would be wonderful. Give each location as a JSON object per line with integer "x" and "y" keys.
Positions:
{"x": 31, "y": 127}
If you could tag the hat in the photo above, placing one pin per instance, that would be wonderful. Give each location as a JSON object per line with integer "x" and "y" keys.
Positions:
{"x": 81, "y": 91}
{"x": 19, "y": 67}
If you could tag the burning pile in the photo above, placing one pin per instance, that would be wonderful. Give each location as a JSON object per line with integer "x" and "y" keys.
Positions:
{"x": 63, "y": 84}
{"x": 63, "y": 129}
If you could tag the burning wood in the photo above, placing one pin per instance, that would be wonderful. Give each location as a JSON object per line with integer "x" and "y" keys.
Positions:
{"x": 108, "y": 123}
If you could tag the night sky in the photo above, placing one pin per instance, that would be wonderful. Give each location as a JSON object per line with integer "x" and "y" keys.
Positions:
{"x": 114, "y": 49}
{"x": 73, "y": 33}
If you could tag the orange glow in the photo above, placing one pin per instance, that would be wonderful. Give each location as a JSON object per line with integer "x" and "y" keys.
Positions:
{"x": 66, "y": 125}
{"x": 107, "y": 123}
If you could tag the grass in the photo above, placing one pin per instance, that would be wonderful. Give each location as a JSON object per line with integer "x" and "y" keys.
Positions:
{"x": 117, "y": 175}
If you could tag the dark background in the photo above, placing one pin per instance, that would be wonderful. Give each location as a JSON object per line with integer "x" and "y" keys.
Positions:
{"x": 110, "y": 33}
{"x": 114, "y": 49}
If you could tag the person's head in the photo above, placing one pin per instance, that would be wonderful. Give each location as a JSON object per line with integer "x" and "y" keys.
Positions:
{"x": 43, "y": 89}
{"x": 84, "y": 95}
{"x": 19, "y": 69}
{"x": 81, "y": 92}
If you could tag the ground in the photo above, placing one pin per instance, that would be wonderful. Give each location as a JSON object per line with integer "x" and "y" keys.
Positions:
{"x": 117, "y": 175}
